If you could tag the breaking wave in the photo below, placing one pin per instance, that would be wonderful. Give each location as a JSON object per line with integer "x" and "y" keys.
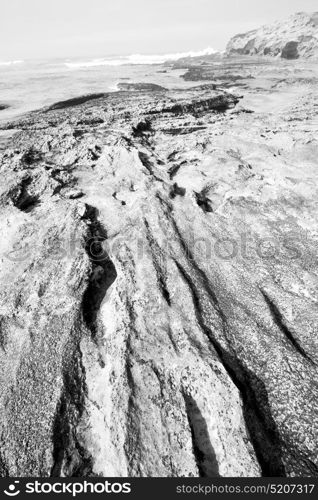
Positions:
{"x": 10, "y": 63}
{"x": 139, "y": 59}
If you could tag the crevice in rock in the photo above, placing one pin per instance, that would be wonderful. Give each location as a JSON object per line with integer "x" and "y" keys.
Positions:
{"x": 176, "y": 190}
{"x": 103, "y": 272}
{"x": 173, "y": 171}
{"x": 256, "y": 409}
{"x": 142, "y": 127}
{"x": 172, "y": 340}
{"x": 31, "y": 156}
{"x": 90, "y": 121}
{"x": 202, "y": 448}
{"x": 182, "y": 130}
{"x": 309, "y": 468}
{"x": 145, "y": 161}
{"x": 94, "y": 153}
{"x": 164, "y": 290}
{"x": 24, "y": 200}
{"x": 159, "y": 263}
{"x": 3, "y": 335}
{"x": 280, "y": 323}
{"x": 63, "y": 177}
{"x": 70, "y": 457}
{"x": 218, "y": 103}
{"x": 132, "y": 437}
{"x": 199, "y": 273}
{"x": 144, "y": 158}
{"x": 203, "y": 201}
{"x": 28, "y": 203}
{"x": 4, "y": 472}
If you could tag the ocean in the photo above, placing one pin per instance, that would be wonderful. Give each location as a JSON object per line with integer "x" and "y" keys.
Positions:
{"x": 30, "y": 85}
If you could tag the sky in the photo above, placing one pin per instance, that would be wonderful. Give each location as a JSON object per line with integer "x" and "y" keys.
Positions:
{"x": 87, "y": 28}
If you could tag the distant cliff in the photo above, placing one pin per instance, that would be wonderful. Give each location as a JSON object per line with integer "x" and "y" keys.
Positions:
{"x": 295, "y": 37}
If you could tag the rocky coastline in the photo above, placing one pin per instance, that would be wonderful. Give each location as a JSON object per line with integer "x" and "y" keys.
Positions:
{"x": 158, "y": 280}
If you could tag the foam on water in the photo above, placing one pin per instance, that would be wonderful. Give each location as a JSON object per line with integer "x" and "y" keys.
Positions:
{"x": 138, "y": 59}
{"x": 37, "y": 83}
{"x": 10, "y": 63}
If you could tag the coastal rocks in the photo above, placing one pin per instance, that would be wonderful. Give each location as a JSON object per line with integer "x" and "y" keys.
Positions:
{"x": 218, "y": 102}
{"x": 209, "y": 73}
{"x": 221, "y": 79}
{"x": 220, "y": 76}
{"x": 202, "y": 60}
{"x": 158, "y": 289}
{"x": 75, "y": 101}
{"x": 290, "y": 39}
{"x": 140, "y": 87}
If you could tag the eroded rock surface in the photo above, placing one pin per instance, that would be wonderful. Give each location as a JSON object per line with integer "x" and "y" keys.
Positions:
{"x": 158, "y": 285}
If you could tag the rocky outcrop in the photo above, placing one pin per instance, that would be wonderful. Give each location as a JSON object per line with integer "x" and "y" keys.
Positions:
{"x": 158, "y": 288}
{"x": 221, "y": 78}
{"x": 140, "y": 87}
{"x": 75, "y": 101}
{"x": 290, "y": 39}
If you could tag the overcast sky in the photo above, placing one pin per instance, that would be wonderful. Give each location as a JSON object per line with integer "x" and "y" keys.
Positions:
{"x": 84, "y": 28}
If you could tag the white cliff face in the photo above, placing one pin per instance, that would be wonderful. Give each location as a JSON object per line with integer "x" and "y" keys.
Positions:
{"x": 290, "y": 39}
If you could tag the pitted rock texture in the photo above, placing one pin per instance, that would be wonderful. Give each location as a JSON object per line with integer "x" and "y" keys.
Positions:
{"x": 158, "y": 285}
{"x": 290, "y": 39}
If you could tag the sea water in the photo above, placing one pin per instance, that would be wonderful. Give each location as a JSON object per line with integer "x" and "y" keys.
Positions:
{"x": 29, "y": 85}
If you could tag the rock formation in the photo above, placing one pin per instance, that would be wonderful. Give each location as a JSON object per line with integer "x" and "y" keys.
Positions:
{"x": 140, "y": 87}
{"x": 158, "y": 291}
{"x": 290, "y": 39}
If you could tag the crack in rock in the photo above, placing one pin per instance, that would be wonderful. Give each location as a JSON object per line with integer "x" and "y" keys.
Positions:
{"x": 103, "y": 272}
